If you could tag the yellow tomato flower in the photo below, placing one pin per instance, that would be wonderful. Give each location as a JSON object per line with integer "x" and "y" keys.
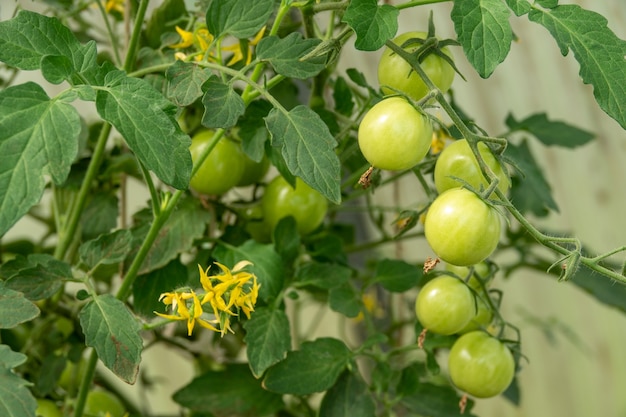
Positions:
{"x": 237, "y": 50}
{"x": 186, "y": 39}
{"x": 114, "y": 6}
{"x": 192, "y": 312}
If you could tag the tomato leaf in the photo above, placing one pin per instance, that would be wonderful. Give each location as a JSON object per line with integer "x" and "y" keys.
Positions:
{"x": 15, "y": 308}
{"x": 549, "y": 132}
{"x": 38, "y": 137}
{"x": 37, "y": 276}
{"x": 147, "y": 122}
{"x": 100, "y": 214}
{"x": 15, "y": 398}
{"x": 313, "y": 368}
{"x": 286, "y": 54}
{"x": 519, "y": 7}
{"x": 148, "y": 287}
{"x": 548, "y": 4}
{"x": 56, "y": 68}
{"x": 597, "y": 49}
{"x": 185, "y": 82}
{"x": 222, "y": 105}
{"x": 373, "y": 24}
{"x": 268, "y": 338}
{"x": 252, "y": 129}
{"x": 113, "y": 331}
{"x": 321, "y": 275}
{"x": 349, "y": 397}
{"x": 530, "y": 193}
{"x": 240, "y": 18}
{"x": 344, "y": 299}
{"x": 266, "y": 265}
{"x": 397, "y": 275}
{"x": 343, "y": 98}
{"x": 484, "y": 31}
{"x": 232, "y": 391}
{"x": 308, "y": 148}
{"x": 107, "y": 249}
{"x": 437, "y": 401}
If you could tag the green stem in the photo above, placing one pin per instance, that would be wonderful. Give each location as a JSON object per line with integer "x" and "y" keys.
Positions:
{"x": 129, "y": 62}
{"x": 414, "y": 3}
{"x": 112, "y": 36}
{"x": 85, "y": 384}
{"x": 66, "y": 235}
{"x": 154, "y": 195}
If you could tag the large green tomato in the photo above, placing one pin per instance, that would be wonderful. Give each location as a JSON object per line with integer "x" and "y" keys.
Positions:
{"x": 457, "y": 160}
{"x": 99, "y": 403}
{"x": 47, "y": 408}
{"x": 221, "y": 170}
{"x": 393, "y": 135}
{"x": 307, "y": 206}
{"x": 254, "y": 222}
{"x": 253, "y": 172}
{"x": 395, "y": 73}
{"x": 461, "y": 228}
{"x": 480, "y": 365}
{"x": 445, "y": 305}
{"x": 481, "y": 319}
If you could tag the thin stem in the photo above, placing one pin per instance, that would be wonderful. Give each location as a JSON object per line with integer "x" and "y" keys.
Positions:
{"x": 85, "y": 384}
{"x": 414, "y": 3}
{"x": 154, "y": 195}
{"x": 111, "y": 33}
{"x": 129, "y": 62}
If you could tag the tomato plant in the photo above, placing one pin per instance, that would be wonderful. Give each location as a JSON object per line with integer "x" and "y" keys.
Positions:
{"x": 304, "y": 204}
{"x": 482, "y": 316}
{"x": 221, "y": 170}
{"x": 458, "y": 161}
{"x": 445, "y": 305}
{"x": 103, "y": 403}
{"x": 461, "y": 228}
{"x": 480, "y": 278}
{"x": 395, "y": 73}
{"x": 47, "y": 408}
{"x": 481, "y": 365}
{"x": 393, "y": 135}
{"x": 253, "y": 172}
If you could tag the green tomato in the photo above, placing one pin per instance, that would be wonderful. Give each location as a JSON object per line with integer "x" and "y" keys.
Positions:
{"x": 482, "y": 318}
{"x": 480, "y": 365}
{"x": 256, "y": 227}
{"x": 393, "y": 135}
{"x": 253, "y": 172}
{"x": 221, "y": 170}
{"x": 395, "y": 73}
{"x": 72, "y": 375}
{"x": 306, "y": 205}
{"x": 47, "y": 408}
{"x": 445, "y": 305}
{"x": 461, "y": 228}
{"x": 99, "y": 403}
{"x": 481, "y": 273}
{"x": 457, "y": 160}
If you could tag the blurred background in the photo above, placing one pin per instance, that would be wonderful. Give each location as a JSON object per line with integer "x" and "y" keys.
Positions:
{"x": 574, "y": 344}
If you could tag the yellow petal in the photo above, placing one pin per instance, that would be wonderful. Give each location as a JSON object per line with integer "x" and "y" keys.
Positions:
{"x": 187, "y": 39}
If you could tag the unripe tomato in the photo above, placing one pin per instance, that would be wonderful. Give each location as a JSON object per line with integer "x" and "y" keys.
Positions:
{"x": 307, "y": 206}
{"x": 445, "y": 305}
{"x": 47, "y": 408}
{"x": 393, "y": 135}
{"x": 457, "y": 160}
{"x": 461, "y": 228}
{"x": 221, "y": 170}
{"x": 480, "y": 365}
{"x": 99, "y": 403}
{"x": 482, "y": 318}
{"x": 253, "y": 172}
{"x": 395, "y": 72}
{"x": 254, "y": 222}
{"x": 481, "y": 269}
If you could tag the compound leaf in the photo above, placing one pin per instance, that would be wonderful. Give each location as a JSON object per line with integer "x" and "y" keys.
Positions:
{"x": 285, "y": 55}
{"x": 240, "y": 18}
{"x": 222, "y": 105}
{"x": 185, "y": 82}
{"x": 373, "y": 24}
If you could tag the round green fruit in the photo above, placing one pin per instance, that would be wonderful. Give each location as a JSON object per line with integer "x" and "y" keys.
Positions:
{"x": 99, "y": 403}
{"x": 481, "y": 319}
{"x": 461, "y": 228}
{"x": 253, "y": 172}
{"x": 393, "y": 135}
{"x": 445, "y": 305}
{"x": 221, "y": 170}
{"x": 47, "y": 408}
{"x": 394, "y": 73}
{"x": 480, "y": 274}
{"x": 480, "y": 365}
{"x": 458, "y": 161}
{"x": 307, "y": 206}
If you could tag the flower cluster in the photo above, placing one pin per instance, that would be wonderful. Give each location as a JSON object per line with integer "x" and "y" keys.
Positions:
{"x": 200, "y": 39}
{"x": 227, "y": 293}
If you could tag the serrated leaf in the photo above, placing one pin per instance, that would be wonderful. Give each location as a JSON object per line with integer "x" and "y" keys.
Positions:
{"x": 322, "y": 275}
{"x": 38, "y": 137}
{"x": 397, "y": 275}
{"x": 349, "y": 397}
{"x": 113, "y": 331}
{"x": 596, "y": 48}
{"x": 185, "y": 225}
{"x": 147, "y": 122}
{"x": 484, "y": 31}
{"x": 308, "y": 148}
{"x": 437, "y": 401}
{"x": 185, "y": 81}
{"x": 240, "y": 18}
{"x": 530, "y": 193}
{"x": 550, "y": 132}
{"x": 56, "y": 68}
{"x": 549, "y": 4}
{"x": 519, "y": 7}
{"x": 266, "y": 265}
{"x": 342, "y": 96}
{"x": 106, "y": 249}
{"x": 15, "y": 399}
{"x": 222, "y": 105}
{"x": 10, "y": 359}
{"x": 252, "y": 129}
{"x": 345, "y": 300}
{"x": 373, "y": 24}
{"x": 313, "y": 368}
{"x": 15, "y": 308}
{"x": 232, "y": 391}
{"x": 268, "y": 338}
{"x": 285, "y": 55}
{"x": 101, "y": 212}
{"x": 147, "y": 288}
{"x": 38, "y": 276}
